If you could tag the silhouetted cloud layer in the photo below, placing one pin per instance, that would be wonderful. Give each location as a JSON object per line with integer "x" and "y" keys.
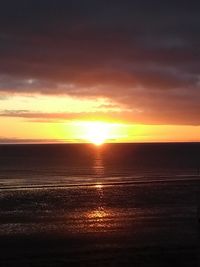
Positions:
{"x": 144, "y": 54}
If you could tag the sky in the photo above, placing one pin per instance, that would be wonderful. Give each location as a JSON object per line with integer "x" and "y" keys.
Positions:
{"x": 133, "y": 66}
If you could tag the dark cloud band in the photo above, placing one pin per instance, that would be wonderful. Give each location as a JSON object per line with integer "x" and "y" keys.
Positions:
{"x": 144, "y": 54}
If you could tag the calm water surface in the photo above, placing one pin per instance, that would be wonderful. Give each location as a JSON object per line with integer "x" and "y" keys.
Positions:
{"x": 78, "y": 205}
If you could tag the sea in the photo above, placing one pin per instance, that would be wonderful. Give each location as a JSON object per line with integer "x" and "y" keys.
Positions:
{"x": 109, "y": 205}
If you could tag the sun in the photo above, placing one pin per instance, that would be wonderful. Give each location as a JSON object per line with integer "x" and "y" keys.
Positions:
{"x": 97, "y": 140}
{"x": 97, "y": 132}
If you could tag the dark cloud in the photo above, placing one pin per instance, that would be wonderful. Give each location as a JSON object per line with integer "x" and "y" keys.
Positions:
{"x": 59, "y": 116}
{"x": 149, "y": 116}
{"x": 145, "y": 54}
{"x": 35, "y": 141}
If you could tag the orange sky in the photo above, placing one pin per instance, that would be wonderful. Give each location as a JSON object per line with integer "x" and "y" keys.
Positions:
{"x": 133, "y": 66}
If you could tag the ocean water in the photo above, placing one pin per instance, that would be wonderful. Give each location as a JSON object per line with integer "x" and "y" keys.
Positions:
{"x": 114, "y": 205}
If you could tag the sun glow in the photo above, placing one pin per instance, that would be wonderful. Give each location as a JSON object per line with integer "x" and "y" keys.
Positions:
{"x": 97, "y": 132}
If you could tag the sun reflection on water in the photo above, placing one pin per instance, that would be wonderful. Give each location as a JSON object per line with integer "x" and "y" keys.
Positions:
{"x": 97, "y": 219}
{"x": 98, "y": 186}
{"x": 97, "y": 214}
{"x": 98, "y": 166}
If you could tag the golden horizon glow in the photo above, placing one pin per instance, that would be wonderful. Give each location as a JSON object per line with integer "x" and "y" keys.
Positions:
{"x": 16, "y": 129}
{"x": 42, "y": 118}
